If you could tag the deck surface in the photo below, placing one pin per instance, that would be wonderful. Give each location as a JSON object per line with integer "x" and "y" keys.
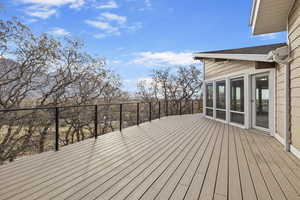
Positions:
{"x": 179, "y": 157}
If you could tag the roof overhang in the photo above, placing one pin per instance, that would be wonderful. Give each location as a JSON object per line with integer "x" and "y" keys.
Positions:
{"x": 244, "y": 57}
{"x": 270, "y": 16}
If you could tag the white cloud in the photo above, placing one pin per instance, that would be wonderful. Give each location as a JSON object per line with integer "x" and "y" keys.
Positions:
{"x": 58, "y": 32}
{"x": 103, "y": 26}
{"x": 164, "y": 58}
{"x": 112, "y": 25}
{"x": 114, "y": 17}
{"x": 269, "y": 36}
{"x": 31, "y": 21}
{"x": 134, "y": 27}
{"x": 115, "y": 62}
{"x": 45, "y": 8}
{"x": 73, "y": 3}
{"x": 77, "y": 4}
{"x": 100, "y": 35}
{"x": 40, "y": 11}
{"x": 148, "y": 3}
{"x": 111, "y": 4}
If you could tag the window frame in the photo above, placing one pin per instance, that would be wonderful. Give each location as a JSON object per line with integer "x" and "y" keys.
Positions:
{"x": 221, "y": 109}
{"x": 244, "y": 113}
{"x": 206, "y": 95}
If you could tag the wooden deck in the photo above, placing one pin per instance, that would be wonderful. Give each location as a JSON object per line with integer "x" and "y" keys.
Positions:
{"x": 179, "y": 157}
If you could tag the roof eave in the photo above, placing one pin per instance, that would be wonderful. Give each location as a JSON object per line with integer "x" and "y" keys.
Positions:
{"x": 243, "y": 57}
{"x": 261, "y": 19}
{"x": 252, "y": 13}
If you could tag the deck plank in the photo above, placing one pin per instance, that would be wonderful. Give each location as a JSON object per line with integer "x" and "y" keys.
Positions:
{"x": 151, "y": 172}
{"x": 260, "y": 186}
{"x": 277, "y": 171}
{"x": 272, "y": 184}
{"x": 178, "y": 157}
{"x": 194, "y": 189}
{"x": 70, "y": 170}
{"x": 183, "y": 185}
{"x": 221, "y": 190}
{"x": 99, "y": 185}
{"x": 234, "y": 182}
{"x": 248, "y": 190}
{"x": 208, "y": 188}
{"x": 170, "y": 181}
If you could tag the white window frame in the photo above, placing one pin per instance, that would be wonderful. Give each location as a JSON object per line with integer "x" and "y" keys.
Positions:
{"x": 219, "y": 109}
{"x": 206, "y": 107}
{"x": 272, "y": 103}
{"x": 245, "y": 125}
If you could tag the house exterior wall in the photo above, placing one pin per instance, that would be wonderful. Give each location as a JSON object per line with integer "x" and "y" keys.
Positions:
{"x": 227, "y": 70}
{"x": 294, "y": 43}
{"x": 280, "y": 101}
{"x": 216, "y": 69}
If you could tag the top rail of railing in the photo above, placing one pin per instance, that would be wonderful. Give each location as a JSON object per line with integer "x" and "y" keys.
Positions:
{"x": 87, "y": 105}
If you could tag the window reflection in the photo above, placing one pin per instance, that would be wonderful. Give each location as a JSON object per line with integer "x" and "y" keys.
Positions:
{"x": 237, "y": 95}
{"x": 237, "y": 101}
{"x": 221, "y": 94}
{"x": 209, "y": 95}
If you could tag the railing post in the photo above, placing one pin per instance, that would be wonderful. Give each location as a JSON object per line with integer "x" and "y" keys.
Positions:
{"x": 167, "y": 111}
{"x": 192, "y": 107}
{"x": 56, "y": 129}
{"x": 121, "y": 114}
{"x": 159, "y": 110}
{"x": 96, "y": 122}
{"x": 150, "y": 111}
{"x": 180, "y": 109}
{"x": 138, "y": 113}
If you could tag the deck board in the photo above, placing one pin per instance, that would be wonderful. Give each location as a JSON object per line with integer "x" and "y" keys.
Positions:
{"x": 178, "y": 157}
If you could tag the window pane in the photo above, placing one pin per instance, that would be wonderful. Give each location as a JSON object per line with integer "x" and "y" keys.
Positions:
{"x": 237, "y": 118}
{"x": 221, "y": 114}
{"x": 209, "y": 112}
{"x": 221, "y": 94}
{"x": 262, "y": 101}
{"x": 237, "y": 94}
{"x": 209, "y": 95}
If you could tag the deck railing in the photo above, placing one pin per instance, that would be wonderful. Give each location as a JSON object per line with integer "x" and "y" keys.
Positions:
{"x": 25, "y": 131}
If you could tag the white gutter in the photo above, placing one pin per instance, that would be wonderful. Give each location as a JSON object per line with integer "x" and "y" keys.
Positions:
{"x": 245, "y": 57}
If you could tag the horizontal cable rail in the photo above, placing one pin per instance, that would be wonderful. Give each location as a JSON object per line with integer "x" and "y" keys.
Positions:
{"x": 41, "y": 129}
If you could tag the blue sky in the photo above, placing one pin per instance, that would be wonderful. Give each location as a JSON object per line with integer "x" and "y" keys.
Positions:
{"x": 136, "y": 36}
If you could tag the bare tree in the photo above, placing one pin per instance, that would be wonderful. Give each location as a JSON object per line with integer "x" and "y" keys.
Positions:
{"x": 44, "y": 71}
{"x": 183, "y": 85}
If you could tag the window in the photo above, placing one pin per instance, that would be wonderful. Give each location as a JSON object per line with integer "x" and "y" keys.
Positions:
{"x": 209, "y": 95}
{"x": 237, "y": 114}
{"x": 209, "y": 99}
{"x": 221, "y": 100}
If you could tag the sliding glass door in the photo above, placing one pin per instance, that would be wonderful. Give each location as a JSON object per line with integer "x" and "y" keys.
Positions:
{"x": 237, "y": 107}
{"x": 260, "y": 101}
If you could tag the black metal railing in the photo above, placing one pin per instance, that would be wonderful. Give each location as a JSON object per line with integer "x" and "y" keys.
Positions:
{"x": 25, "y": 131}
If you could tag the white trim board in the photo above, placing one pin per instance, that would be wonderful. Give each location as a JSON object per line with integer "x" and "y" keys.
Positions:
{"x": 295, "y": 151}
{"x": 279, "y": 138}
{"x": 250, "y": 71}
